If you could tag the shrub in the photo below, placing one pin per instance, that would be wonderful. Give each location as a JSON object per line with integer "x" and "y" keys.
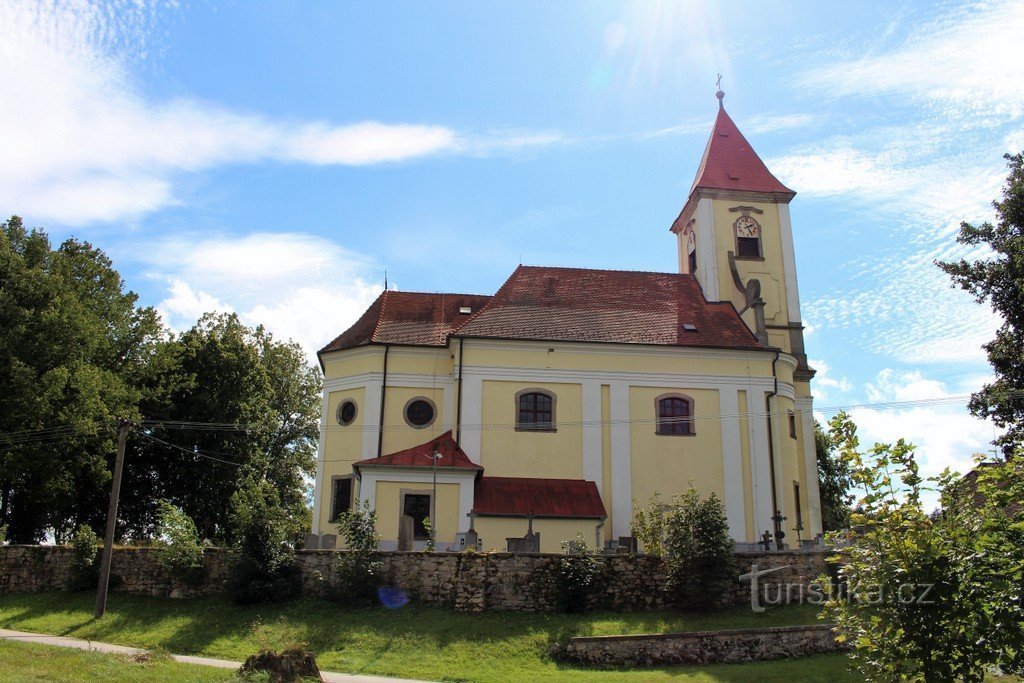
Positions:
{"x": 263, "y": 565}
{"x": 85, "y": 559}
{"x": 578, "y": 575}
{"x": 698, "y": 551}
{"x": 359, "y": 570}
{"x": 179, "y": 550}
{"x": 649, "y": 525}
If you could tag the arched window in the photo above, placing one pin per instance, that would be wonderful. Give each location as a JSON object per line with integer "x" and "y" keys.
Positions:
{"x": 535, "y": 410}
{"x": 675, "y": 415}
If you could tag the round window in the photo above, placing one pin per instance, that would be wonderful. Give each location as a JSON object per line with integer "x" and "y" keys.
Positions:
{"x": 346, "y": 413}
{"x": 419, "y": 412}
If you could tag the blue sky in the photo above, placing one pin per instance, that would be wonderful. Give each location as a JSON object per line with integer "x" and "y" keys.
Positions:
{"x": 276, "y": 158}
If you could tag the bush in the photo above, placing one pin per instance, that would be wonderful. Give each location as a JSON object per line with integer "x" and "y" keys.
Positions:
{"x": 577, "y": 577}
{"x": 85, "y": 559}
{"x": 263, "y": 565}
{"x": 930, "y": 597}
{"x": 179, "y": 550}
{"x": 359, "y": 571}
{"x": 649, "y": 525}
{"x": 698, "y": 551}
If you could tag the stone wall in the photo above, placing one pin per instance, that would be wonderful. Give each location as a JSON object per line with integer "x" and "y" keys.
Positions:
{"x": 703, "y": 647}
{"x": 467, "y": 582}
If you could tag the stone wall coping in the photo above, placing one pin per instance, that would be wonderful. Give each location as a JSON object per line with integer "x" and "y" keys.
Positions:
{"x": 681, "y": 635}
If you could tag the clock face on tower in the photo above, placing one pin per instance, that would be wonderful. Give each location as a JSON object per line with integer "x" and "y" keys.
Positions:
{"x": 747, "y": 227}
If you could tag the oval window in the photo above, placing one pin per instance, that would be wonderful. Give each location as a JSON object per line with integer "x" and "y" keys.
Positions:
{"x": 419, "y": 412}
{"x": 346, "y": 413}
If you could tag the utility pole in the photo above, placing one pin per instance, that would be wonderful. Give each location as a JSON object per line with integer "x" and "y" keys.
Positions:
{"x": 108, "y": 539}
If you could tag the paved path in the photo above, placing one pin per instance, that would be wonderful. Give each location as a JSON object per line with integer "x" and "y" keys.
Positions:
{"x": 78, "y": 644}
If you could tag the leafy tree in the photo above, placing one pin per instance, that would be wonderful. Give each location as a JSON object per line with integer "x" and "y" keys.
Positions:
{"x": 263, "y": 567}
{"x": 85, "y": 559}
{"x": 999, "y": 280}
{"x": 577, "y": 576}
{"x": 73, "y": 346}
{"x": 179, "y": 547}
{"x": 262, "y": 391}
{"x": 834, "y": 482}
{"x": 927, "y": 597}
{"x": 698, "y": 550}
{"x": 359, "y": 571}
{"x": 649, "y": 525}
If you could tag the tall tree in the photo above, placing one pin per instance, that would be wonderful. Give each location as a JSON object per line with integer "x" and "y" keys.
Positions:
{"x": 834, "y": 482}
{"x": 73, "y": 345}
{"x": 999, "y": 280}
{"x": 264, "y": 398}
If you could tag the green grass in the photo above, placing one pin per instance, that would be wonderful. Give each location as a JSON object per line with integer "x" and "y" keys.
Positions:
{"x": 29, "y": 662}
{"x": 415, "y": 642}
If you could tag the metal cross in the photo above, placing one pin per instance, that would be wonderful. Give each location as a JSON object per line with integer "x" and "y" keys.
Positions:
{"x": 718, "y": 83}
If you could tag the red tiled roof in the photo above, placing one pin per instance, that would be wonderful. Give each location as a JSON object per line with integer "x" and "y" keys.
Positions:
{"x": 411, "y": 318}
{"x": 626, "y": 307}
{"x": 537, "y": 497}
{"x": 730, "y": 163}
{"x": 452, "y": 457}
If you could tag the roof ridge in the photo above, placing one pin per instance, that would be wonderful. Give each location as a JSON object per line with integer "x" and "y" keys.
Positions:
{"x": 380, "y": 315}
{"x": 608, "y": 270}
{"x": 494, "y": 297}
{"x": 398, "y": 291}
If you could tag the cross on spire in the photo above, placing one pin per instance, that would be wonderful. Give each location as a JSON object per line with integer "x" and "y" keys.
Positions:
{"x": 720, "y": 95}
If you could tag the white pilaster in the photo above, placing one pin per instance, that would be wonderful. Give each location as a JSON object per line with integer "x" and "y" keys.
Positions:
{"x": 789, "y": 263}
{"x": 622, "y": 476}
{"x": 759, "y": 461}
{"x": 707, "y": 251}
{"x": 471, "y": 432}
{"x": 732, "y": 460}
{"x": 805, "y": 406}
{"x": 592, "y": 432}
{"x": 318, "y": 483}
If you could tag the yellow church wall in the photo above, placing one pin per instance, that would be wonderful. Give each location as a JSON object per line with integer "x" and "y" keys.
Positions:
{"x": 506, "y": 452}
{"x": 388, "y": 502}
{"x": 623, "y": 358}
{"x": 342, "y": 445}
{"x": 398, "y": 434}
{"x": 667, "y": 463}
{"x": 494, "y": 531}
{"x": 340, "y": 364}
{"x": 420, "y": 361}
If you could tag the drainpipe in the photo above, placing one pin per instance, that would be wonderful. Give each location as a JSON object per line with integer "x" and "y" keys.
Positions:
{"x": 597, "y": 534}
{"x": 458, "y": 410}
{"x": 771, "y": 449}
{"x": 383, "y": 396}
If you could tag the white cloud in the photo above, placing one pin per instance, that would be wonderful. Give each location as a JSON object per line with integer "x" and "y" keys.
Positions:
{"x": 770, "y": 123}
{"x": 824, "y": 384}
{"x": 966, "y": 62}
{"x": 82, "y": 145}
{"x": 892, "y": 385}
{"x": 300, "y": 287}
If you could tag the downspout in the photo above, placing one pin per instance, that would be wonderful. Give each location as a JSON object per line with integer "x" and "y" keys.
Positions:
{"x": 771, "y": 450}
{"x": 597, "y": 534}
{"x": 458, "y": 410}
{"x": 383, "y": 397}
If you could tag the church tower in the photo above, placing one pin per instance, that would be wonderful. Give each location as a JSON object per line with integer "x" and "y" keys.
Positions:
{"x": 734, "y": 235}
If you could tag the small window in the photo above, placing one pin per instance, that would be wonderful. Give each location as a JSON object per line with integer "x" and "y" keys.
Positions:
{"x": 799, "y": 512}
{"x": 346, "y": 412}
{"x": 535, "y": 411}
{"x": 341, "y": 500}
{"x": 675, "y": 415}
{"x": 417, "y": 506}
{"x": 420, "y": 413}
{"x": 792, "y": 424}
{"x": 693, "y": 262}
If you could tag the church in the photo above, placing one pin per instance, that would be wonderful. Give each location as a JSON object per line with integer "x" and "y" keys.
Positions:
{"x": 570, "y": 396}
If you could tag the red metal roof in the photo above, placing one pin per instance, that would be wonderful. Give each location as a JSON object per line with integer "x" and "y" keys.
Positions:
{"x": 452, "y": 457}
{"x": 730, "y": 163}
{"x": 626, "y": 307}
{"x": 537, "y": 497}
{"x": 411, "y": 318}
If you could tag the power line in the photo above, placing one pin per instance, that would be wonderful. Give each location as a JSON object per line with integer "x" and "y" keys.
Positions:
{"x": 195, "y": 453}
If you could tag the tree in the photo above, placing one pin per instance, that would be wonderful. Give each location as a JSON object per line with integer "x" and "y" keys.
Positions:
{"x": 927, "y": 597}
{"x": 266, "y": 397}
{"x": 999, "y": 280}
{"x": 73, "y": 344}
{"x": 263, "y": 565}
{"x": 698, "y": 550}
{"x": 834, "y": 483}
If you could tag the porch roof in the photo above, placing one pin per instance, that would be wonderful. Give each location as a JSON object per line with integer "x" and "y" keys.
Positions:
{"x": 522, "y": 497}
{"x": 420, "y": 457}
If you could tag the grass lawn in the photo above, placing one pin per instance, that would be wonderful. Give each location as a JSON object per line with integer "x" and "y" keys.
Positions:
{"x": 416, "y": 642}
{"x": 29, "y": 662}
